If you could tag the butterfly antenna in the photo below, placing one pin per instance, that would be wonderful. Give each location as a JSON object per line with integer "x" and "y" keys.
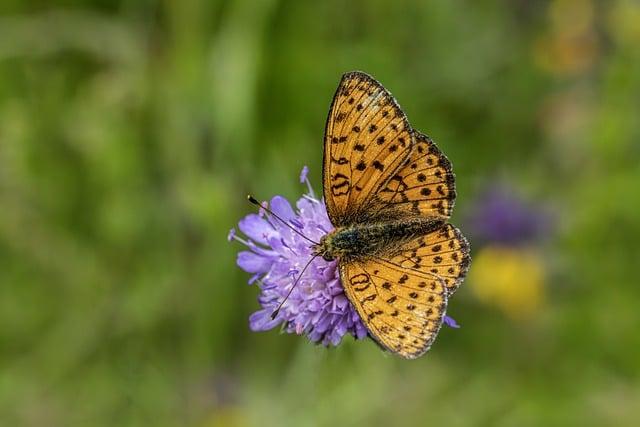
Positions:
{"x": 255, "y": 202}
{"x": 277, "y": 310}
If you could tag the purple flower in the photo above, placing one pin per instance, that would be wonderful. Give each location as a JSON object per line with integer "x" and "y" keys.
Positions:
{"x": 303, "y": 174}
{"x": 500, "y": 216}
{"x": 317, "y": 306}
{"x": 276, "y": 255}
{"x": 451, "y": 322}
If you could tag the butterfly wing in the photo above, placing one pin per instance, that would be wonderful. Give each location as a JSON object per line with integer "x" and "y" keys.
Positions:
{"x": 376, "y": 168}
{"x": 367, "y": 138}
{"x": 443, "y": 252}
{"x": 402, "y": 298}
{"x": 423, "y": 186}
{"x": 402, "y": 308}
{"x": 375, "y": 165}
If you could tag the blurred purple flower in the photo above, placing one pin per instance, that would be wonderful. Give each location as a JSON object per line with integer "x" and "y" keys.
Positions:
{"x": 499, "y": 216}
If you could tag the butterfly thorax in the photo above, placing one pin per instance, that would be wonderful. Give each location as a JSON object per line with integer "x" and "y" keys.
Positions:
{"x": 363, "y": 241}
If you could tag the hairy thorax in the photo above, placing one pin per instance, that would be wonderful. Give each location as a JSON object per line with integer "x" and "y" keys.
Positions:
{"x": 369, "y": 240}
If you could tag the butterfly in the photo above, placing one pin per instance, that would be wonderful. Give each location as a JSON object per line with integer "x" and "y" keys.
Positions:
{"x": 389, "y": 192}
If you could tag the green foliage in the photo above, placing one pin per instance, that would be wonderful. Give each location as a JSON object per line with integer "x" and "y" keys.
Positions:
{"x": 130, "y": 133}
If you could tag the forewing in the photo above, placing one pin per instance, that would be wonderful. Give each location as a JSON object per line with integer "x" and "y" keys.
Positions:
{"x": 443, "y": 252}
{"x": 424, "y": 186}
{"x": 367, "y": 138}
{"x": 402, "y": 308}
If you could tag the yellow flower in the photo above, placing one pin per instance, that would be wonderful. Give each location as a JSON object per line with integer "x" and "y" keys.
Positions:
{"x": 509, "y": 278}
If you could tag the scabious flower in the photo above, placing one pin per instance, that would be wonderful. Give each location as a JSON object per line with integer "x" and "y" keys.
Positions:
{"x": 317, "y": 307}
{"x": 276, "y": 255}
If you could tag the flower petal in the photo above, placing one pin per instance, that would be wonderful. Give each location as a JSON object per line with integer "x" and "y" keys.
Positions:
{"x": 451, "y": 322}
{"x": 335, "y": 338}
{"x": 303, "y": 174}
{"x": 261, "y": 320}
{"x": 281, "y": 207}
{"x": 296, "y": 223}
{"x": 256, "y": 228}
{"x": 253, "y": 263}
{"x": 340, "y": 302}
{"x": 361, "y": 331}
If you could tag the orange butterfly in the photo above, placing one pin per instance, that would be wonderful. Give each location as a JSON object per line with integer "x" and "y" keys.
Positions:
{"x": 389, "y": 192}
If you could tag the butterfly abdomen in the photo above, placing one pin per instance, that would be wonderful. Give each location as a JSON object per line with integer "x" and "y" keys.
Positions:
{"x": 376, "y": 239}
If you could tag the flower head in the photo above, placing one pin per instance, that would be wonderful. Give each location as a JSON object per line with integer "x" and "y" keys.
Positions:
{"x": 276, "y": 255}
{"x": 317, "y": 307}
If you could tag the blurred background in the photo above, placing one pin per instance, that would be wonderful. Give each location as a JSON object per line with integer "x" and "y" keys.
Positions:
{"x": 130, "y": 133}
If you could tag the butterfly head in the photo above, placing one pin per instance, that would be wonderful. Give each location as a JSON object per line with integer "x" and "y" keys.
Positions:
{"x": 325, "y": 248}
{"x": 340, "y": 243}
